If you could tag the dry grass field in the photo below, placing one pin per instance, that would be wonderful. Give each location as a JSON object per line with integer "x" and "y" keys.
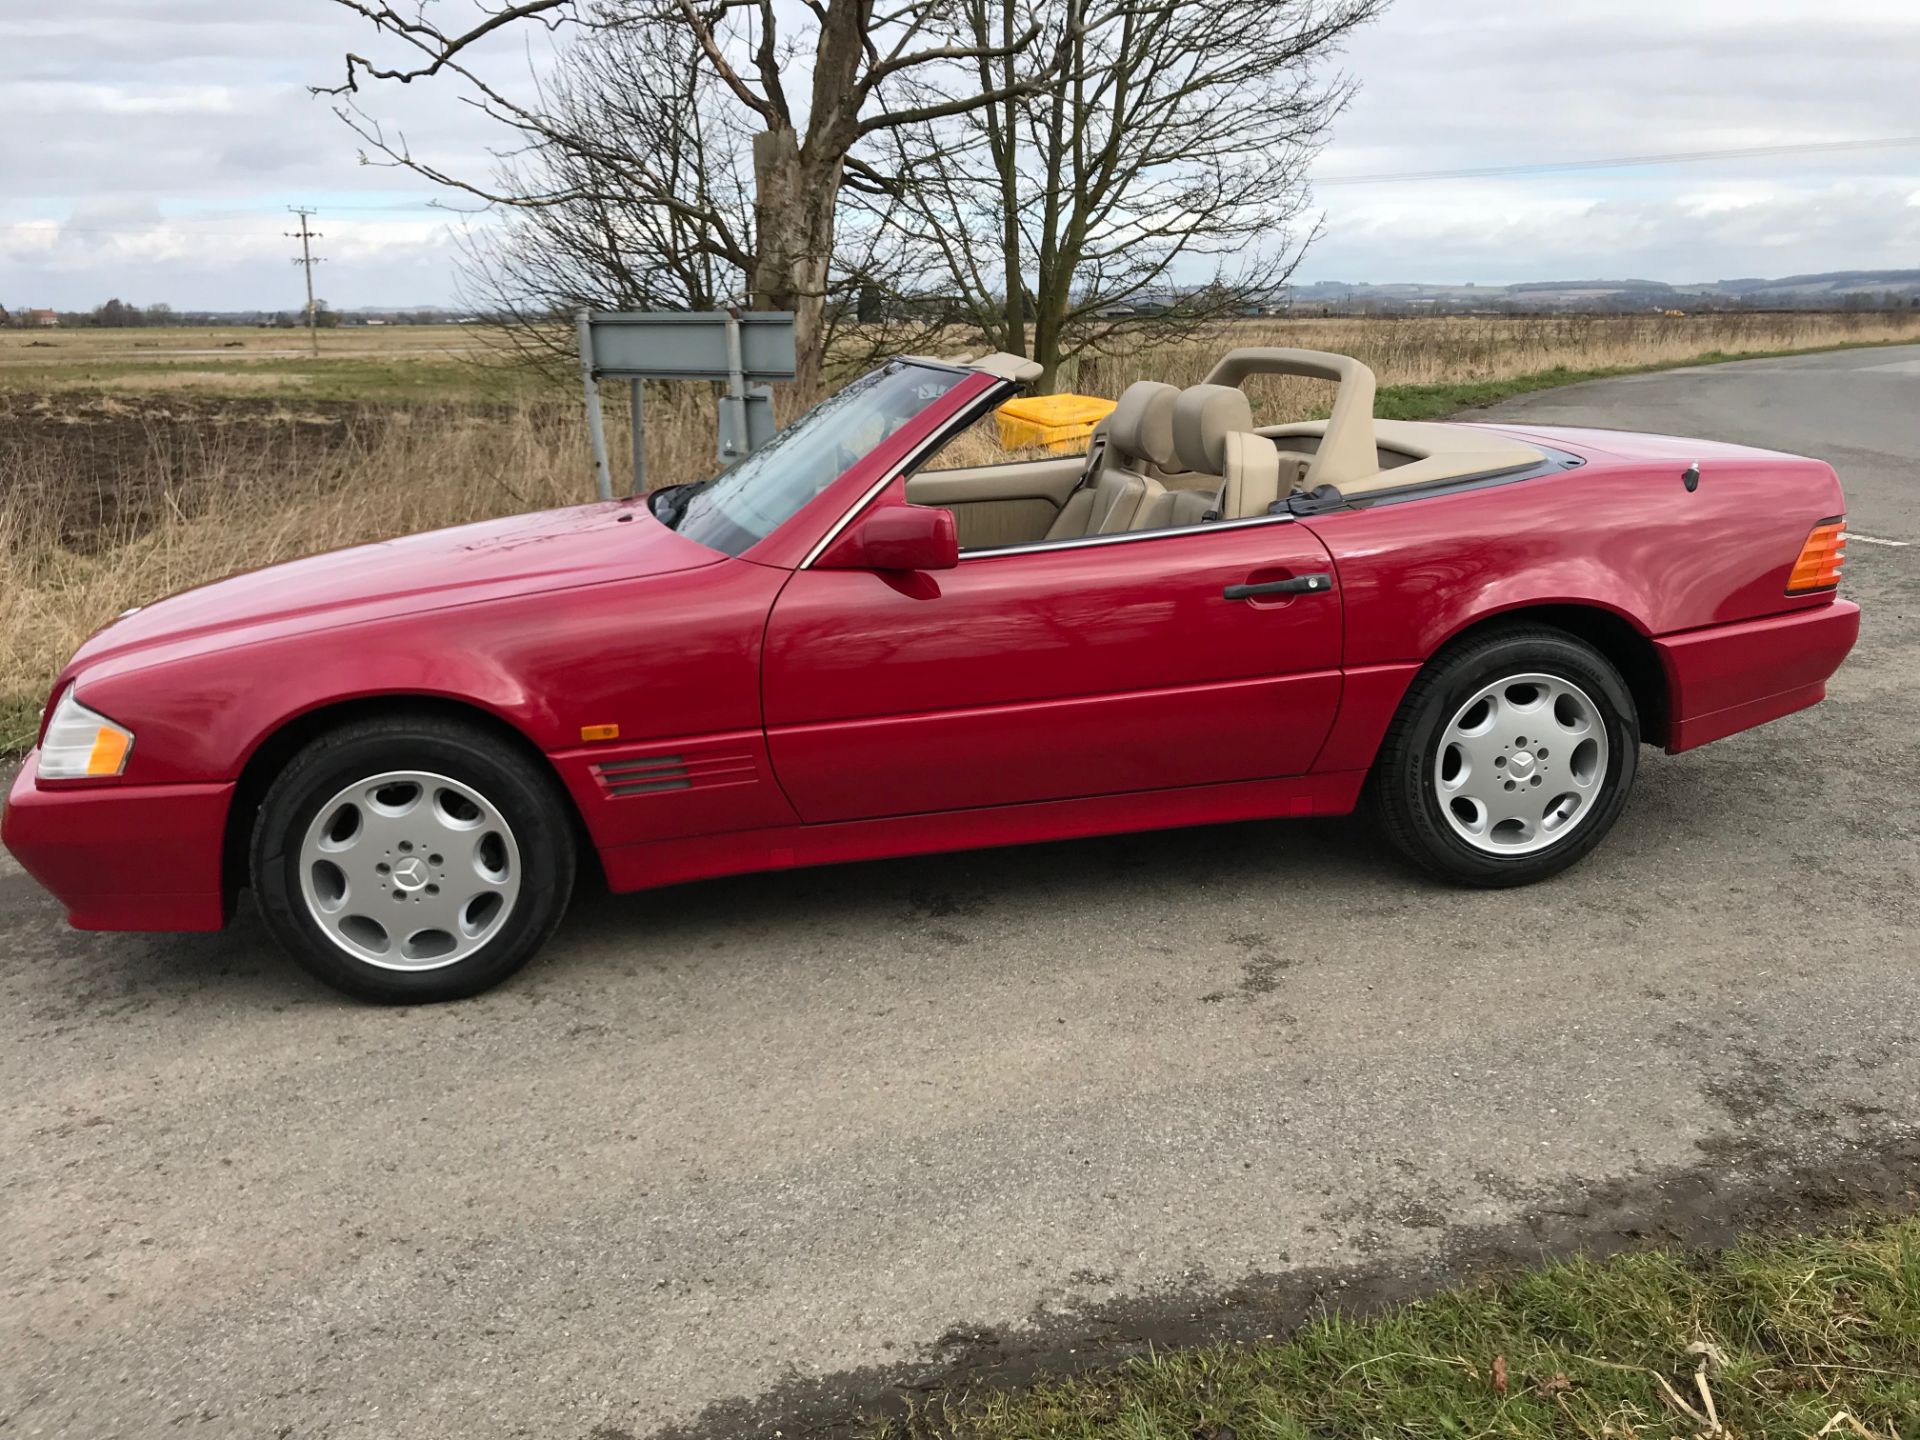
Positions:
{"x": 135, "y": 463}
{"x": 371, "y": 362}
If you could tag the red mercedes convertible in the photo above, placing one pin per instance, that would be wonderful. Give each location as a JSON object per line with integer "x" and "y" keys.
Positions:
{"x": 839, "y": 650}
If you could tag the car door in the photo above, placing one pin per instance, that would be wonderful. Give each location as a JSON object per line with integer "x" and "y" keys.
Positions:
{"x": 1049, "y": 671}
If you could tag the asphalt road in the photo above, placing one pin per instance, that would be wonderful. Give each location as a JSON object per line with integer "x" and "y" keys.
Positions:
{"x": 753, "y": 1150}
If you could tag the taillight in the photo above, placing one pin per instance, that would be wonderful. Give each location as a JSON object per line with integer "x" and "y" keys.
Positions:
{"x": 1818, "y": 567}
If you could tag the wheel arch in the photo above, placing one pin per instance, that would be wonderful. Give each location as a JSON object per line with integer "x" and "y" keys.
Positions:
{"x": 1630, "y": 650}
{"x": 275, "y": 749}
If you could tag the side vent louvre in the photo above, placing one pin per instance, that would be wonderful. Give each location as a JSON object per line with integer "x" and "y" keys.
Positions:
{"x": 658, "y": 774}
{"x": 644, "y": 777}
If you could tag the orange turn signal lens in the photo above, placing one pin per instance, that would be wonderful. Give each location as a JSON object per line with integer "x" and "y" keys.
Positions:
{"x": 1818, "y": 567}
{"x": 599, "y": 732}
{"x": 82, "y": 744}
{"x": 109, "y": 753}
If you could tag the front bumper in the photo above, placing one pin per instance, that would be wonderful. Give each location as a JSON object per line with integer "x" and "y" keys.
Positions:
{"x": 123, "y": 857}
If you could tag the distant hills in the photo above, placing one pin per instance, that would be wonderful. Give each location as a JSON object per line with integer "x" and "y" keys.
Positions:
{"x": 1829, "y": 290}
{"x": 1833, "y": 290}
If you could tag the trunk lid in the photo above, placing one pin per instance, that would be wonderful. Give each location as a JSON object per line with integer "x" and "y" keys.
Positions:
{"x": 1631, "y": 444}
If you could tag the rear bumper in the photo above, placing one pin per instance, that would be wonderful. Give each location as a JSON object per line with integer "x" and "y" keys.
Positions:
{"x": 123, "y": 857}
{"x": 1729, "y": 678}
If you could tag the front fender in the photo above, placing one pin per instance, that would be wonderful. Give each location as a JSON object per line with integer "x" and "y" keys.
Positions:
{"x": 202, "y": 717}
{"x": 654, "y": 657}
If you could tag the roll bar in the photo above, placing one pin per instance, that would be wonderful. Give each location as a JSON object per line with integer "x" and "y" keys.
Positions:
{"x": 1348, "y": 451}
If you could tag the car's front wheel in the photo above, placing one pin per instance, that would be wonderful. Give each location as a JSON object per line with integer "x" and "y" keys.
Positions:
{"x": 408, "y": 859}
{"x": 1510, "y": 758}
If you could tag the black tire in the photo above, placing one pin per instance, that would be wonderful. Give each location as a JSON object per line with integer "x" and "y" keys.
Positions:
{"x": 526, "y": 795}
{"x": 1404, "y": 795}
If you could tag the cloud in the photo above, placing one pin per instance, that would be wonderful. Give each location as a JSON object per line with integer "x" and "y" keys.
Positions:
{"x": 1457, "y": 84}
{"x": 1497, "y": 236}
{"x": 153, "y": 151}
{"x": 152, "y": 148}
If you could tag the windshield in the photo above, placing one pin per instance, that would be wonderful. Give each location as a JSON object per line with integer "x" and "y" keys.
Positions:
{"x": 736, "y": 510}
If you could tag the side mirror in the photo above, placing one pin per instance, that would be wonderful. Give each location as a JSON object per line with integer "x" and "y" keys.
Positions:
{"x": 897, "y": 537}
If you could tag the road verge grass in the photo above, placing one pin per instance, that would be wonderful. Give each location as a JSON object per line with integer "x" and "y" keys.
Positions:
{"x": 1808, "y": 1335}
{"x": 1434, "y": 402}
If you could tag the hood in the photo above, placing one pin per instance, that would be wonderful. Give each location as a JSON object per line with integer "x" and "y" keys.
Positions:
{"x": 548, "y": 550}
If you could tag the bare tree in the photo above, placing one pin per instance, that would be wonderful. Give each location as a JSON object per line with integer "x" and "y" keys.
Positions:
{"x": 846, "y": 61}
{"x": 649, "y": 93}
{"x": 603, "y": 239}
{"x": 1155, "y": 179}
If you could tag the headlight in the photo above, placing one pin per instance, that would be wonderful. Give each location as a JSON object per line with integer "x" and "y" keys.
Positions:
{"x": 79, "y": 743}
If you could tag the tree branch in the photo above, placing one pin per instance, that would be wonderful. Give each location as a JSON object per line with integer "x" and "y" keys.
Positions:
{"x": 430, "y": 41}
{"x": 710, "y": 47}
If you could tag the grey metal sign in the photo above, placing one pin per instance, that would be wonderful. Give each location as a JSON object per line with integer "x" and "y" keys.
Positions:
{"x": 734, "y": 347}
{"x": 692, "y": 346}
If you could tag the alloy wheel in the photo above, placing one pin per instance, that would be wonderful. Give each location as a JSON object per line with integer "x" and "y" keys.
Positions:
{"x": 409, "y": 870}
{"x": 1521, "y": 765}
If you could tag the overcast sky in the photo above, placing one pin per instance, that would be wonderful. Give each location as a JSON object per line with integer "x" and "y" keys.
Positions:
{"x": 153, "y": 145}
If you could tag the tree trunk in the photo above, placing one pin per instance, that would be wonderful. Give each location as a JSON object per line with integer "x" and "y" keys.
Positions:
{"x": 793, "y": 215}
{"x": 1009, "y": 121}
{"x": 1048, "y": 328}
{"x": 1057, "y": 260}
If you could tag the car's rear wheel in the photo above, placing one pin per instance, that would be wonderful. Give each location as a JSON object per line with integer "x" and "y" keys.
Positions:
{"x": 1510, "y": 758}
{"x": 411, "y": 858}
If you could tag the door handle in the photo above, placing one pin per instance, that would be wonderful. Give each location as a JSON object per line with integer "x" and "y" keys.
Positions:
{"x": 1297, "y": 585}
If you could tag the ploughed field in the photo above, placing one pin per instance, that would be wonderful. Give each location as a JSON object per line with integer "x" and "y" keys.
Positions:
{"x": 100, "y": 468}
{"x": 138, "y": 462}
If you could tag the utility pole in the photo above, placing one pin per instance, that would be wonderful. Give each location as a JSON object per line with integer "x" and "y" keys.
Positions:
{"x": 306, "y": 262}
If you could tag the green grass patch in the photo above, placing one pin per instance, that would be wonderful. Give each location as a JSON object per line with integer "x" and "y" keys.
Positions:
{"x": 19, "y": 723}
{"x": 1783, "y": 1335}
{"x": 1433, "y": 402}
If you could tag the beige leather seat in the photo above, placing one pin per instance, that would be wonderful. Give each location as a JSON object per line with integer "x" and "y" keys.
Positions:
{"x": 1174, "y": 509}
{"x": 1117, "y": 496}
{"x": 1141, "y": 425}
{"x": 1213, "y": 435}
{"x": 1205, "y": 419}
{"x": 1201, "y": 418}
{"x": 1254, "y": 475}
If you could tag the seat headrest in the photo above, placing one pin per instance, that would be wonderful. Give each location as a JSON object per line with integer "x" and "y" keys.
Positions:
{"x": 1203, "y": 417}
{"x": 1251, "y": 475}
{"x": 1141, "y": 425}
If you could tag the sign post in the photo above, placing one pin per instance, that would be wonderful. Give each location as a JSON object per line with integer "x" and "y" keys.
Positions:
{"x": 731, "y": 347}
{"x": 639, "y": 427}
{"x": 596, "y": 423}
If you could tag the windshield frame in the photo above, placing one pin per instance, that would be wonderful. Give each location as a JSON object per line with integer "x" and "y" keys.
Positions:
{"x": 809, "y": 529}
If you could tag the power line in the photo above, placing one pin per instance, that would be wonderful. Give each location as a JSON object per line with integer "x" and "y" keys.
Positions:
{"x": 307, "y": 261}
{"x": 1620, "y": 162}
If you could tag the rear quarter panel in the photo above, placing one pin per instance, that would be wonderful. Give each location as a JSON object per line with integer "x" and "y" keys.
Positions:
{"x": 1618, "y": 534}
